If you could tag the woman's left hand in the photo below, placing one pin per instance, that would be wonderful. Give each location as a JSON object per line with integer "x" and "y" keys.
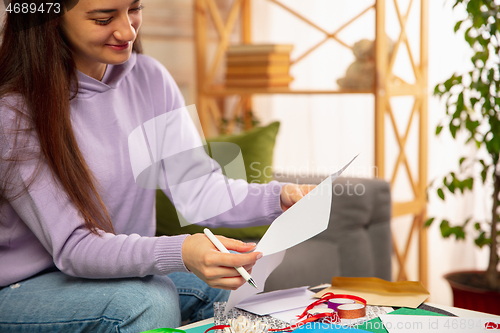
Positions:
{"x": 291, "y": 193}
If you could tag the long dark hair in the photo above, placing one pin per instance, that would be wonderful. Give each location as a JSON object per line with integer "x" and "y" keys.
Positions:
{"x": 36, "y": 64}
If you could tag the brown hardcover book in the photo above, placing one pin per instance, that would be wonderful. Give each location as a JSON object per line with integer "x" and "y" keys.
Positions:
{"x": 278, "y": 59}
{"x": 281, "y": 81}
{"x": 257, "y": 70}
{"x": 259, "y": 48}
{"x": 253, "y": 76}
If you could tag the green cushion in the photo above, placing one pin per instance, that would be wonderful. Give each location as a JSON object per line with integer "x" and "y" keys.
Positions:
{"x": 257, "y": 146}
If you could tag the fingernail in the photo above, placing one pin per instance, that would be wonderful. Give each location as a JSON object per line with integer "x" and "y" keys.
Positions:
{"x": 251, "y": 244}
{"x": 259, "y": 255}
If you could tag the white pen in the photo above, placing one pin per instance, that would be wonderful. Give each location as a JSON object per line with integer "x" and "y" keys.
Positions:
{"x": 223, "y": 249}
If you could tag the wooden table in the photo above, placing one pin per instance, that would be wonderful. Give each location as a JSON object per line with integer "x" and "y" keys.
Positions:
{"x": 456, "y": 311}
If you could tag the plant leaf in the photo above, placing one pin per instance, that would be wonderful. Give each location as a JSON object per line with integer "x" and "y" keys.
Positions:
{"x": 440, "y": 193}
{"x": 447, "y": 230}
{"x": 469, "y": 183}
{"x": 439, "y": 129}
{"x": 482, "y": 240}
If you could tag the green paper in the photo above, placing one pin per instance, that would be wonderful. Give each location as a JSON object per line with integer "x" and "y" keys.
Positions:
{"x": 199, "y": 329}
{"x": 164, "y": 330}
{"x": 375, "y": 325}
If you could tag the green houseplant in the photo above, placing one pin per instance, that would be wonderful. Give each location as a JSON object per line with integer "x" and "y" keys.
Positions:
{"x": 473, "y": 108}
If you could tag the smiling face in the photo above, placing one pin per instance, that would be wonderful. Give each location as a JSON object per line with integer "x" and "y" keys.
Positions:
{"x": 101, "y": 32}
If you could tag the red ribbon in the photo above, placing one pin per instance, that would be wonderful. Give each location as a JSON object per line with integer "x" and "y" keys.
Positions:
{"x": 334, "y": 319}
{"x": 217, "y": 327}
{"x": 328, "y": 296}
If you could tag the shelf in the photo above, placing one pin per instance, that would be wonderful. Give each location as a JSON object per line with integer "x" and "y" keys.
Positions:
{"x": 405, "y": 208}
{"x": 393, "y": 90}
{"x": 220, "y": 90}
{"x": 387, "y": 85}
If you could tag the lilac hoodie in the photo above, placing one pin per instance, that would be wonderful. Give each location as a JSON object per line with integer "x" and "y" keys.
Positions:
{"x": 43, "y": 228}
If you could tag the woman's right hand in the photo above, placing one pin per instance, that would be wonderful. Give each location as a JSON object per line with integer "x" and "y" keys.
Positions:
{"x": 214, "y": 267}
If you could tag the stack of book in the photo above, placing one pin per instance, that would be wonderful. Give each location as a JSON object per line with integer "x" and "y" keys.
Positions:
{"x": 258, "y": 65}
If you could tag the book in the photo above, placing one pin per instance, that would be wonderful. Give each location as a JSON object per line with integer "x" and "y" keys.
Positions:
{"x": 259, "y": 48}
{"x": 256, "y": 70}
{"x": 278, "y": 81}
{"x": 255, "y": 76}
{"x": 258, "y": 58}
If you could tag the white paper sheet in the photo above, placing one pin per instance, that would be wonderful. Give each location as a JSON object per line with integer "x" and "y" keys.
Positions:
{"x": 305, "y": 219}
{"x": 290, "y": 316}
{"x": 278, "y": 301}
{"x": 260, "y": 272}
{"x": 338, "y": 173}
{"x": 434, "y": 324}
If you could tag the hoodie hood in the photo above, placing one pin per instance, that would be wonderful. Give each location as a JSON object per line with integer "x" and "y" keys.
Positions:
{"x": 113, "y": 76}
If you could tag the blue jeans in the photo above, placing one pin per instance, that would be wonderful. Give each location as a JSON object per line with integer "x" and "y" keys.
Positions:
{"x": 55, "y": 302}
{"x": 196, "y": 297}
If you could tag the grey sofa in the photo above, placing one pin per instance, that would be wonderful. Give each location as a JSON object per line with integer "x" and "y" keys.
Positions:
{"x": 357, "y": 242}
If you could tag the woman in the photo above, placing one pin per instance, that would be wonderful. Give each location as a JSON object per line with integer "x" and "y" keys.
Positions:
{"x": 77, "y": 250}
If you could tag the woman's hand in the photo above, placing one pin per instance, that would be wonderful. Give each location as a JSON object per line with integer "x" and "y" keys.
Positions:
{"x": 291, "y": 193}
{"x": 214, "y": 267}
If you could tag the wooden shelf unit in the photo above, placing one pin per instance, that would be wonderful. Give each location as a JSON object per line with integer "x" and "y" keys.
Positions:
{"x": 217, "y": 90}
{"x": 387, "y": 85}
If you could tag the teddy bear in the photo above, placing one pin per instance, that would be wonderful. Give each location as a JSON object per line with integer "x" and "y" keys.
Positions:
{"x": 360, "y": 75}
